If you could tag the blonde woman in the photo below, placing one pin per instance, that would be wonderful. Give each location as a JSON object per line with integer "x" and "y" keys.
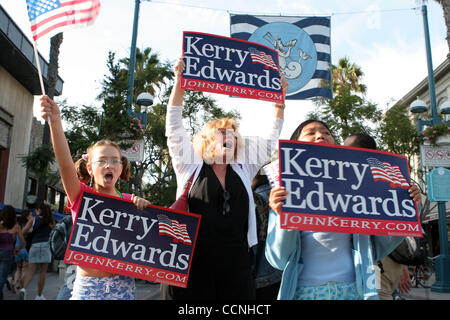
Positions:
{"x": 222, "y": 165}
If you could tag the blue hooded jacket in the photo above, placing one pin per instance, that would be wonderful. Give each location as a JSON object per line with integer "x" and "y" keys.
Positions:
{"x": 283, "y": 251}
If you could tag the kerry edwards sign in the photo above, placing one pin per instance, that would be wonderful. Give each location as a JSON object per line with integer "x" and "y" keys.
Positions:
{"x": 230, "y": 66}
{"x": 343, "y": 189}
{"x": 154, "y": 244}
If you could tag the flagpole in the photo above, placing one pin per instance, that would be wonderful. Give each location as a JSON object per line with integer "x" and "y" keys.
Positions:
{"x": 38, "y": 67}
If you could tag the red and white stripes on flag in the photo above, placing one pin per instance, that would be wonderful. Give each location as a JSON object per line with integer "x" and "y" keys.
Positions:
{"x": 49, "y": 16}
{"x": 260, "y": 57}
{"x": 174, "y": 229}
{"x": 384, "y": 171}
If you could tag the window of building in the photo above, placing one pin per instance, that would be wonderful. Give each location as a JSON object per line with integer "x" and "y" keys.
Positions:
{"x": 32, "y": 186}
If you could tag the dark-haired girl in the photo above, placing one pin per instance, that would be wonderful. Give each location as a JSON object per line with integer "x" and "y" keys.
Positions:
{"x": 40, "y": 255}
{"x": 323, "y": 265}
{"x": 8, "y": 231}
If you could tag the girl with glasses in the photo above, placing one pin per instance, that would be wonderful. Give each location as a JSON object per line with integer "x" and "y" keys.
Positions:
{"x": 103, "y": 165}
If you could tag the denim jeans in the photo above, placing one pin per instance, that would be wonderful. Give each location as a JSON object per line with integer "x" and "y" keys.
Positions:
{"x": 6, "y": 260}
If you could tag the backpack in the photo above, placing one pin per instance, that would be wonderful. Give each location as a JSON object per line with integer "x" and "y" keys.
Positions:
{"x": 59, "y": 237}
{"x": 411, "y": 252}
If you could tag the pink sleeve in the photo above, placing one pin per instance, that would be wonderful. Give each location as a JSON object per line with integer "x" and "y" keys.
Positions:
{"x": 76, "y": 205}
{"x": 126, "y": 196}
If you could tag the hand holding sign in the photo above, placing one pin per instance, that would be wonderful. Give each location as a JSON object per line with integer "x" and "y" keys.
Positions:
{"x": 276, "y": 198}
{"x": 140, "y": 203}
{"x": 179, "y": 67}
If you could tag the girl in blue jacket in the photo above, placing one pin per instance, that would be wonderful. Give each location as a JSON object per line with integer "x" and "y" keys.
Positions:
{"x": 324, "y": 265}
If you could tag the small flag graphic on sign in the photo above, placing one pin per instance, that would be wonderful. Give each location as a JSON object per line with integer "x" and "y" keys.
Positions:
{"x": 174, "y": 229}
{"x": 384, "y": 171}
{"x": 48, "y": 16}
{"x": 260, "y": 57}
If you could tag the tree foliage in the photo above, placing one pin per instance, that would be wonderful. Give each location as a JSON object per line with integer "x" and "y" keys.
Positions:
{"x": 398, "y": 133}
{"x": 349, "y": 111}
{"x": 39, "y": 162}
{"x": 153, "y": 178}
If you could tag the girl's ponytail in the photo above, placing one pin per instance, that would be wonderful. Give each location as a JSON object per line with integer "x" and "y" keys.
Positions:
{"x": 125, "y": 169}
{"x": 82, "y": 172}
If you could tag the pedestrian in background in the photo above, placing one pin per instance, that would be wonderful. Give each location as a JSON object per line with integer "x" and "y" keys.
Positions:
{"x": 22, "y": 257}
{"x": 9, "y": 229}
{"x": 39, "y": 255}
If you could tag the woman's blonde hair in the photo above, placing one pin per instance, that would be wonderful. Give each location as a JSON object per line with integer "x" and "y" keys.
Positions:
{"x": 203, "y": 141}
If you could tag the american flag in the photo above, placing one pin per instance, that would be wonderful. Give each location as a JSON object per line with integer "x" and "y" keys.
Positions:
{"x": 260, "y": 57}
{"x": 174, "y": 229}
{"x": 48, "y": 16}
{"x": 384, "y": 171}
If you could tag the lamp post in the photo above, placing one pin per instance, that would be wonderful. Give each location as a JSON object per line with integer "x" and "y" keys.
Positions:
{"x": 143, "y": 115}
{"x": 133, "y": 54}
{"x": 442, "y": 265}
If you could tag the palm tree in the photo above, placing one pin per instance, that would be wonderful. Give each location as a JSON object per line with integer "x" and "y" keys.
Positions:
{"x": 149, "y": 72}
{"x": 55, "y": 44}
{"x": 348, "y": 112}
{"x": 347, "y": 74}
{"x": 445, "y": 4}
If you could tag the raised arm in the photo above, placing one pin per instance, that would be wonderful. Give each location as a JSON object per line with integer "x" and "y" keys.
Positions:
{"x": 177, "y": 94}
{"x": 50, "y": 110}
{"x": 279, "y": 108}
{"x": 22, "y": 240}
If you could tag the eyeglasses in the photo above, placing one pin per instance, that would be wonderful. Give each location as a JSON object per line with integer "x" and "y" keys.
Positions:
{"x": 104, "y": 162}
{"x": 229, "y": 131}
{"x": 226, "y": 204}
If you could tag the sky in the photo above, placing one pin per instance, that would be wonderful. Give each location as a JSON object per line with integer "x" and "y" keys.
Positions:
{"x": 384, "y": 38}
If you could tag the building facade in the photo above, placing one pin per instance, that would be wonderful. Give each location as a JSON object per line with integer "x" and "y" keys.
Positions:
{"x": 19, "y": 83}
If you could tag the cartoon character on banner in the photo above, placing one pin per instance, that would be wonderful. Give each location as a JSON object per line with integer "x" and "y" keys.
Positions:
{"x": 296, "y": 51}
{"x": 292, "y": 70}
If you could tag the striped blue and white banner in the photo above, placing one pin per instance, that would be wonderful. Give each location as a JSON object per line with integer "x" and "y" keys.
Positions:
{"x": 303, "y": 45}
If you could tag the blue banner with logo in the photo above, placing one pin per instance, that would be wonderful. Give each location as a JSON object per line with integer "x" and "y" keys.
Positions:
{"x": 229, "y": 66}
{"x": 303, "y": 45}
{"x": 113, "y": 235}
{"x": 344, "y": 189}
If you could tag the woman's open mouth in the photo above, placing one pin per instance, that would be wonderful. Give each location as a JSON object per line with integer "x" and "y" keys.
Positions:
{"x": 228, "y": 144}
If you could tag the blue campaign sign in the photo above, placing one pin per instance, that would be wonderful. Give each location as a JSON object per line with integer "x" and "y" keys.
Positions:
{"x": 230, "y": 66}
{"x": 344, "y": 189}
{"x": 154, "y": 244}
